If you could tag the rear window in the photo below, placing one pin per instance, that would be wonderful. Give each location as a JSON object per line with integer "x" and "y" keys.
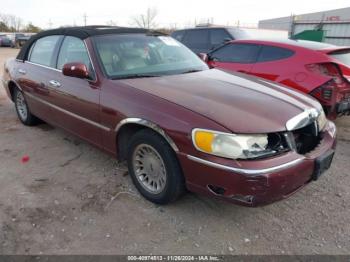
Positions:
{"x": 218, "y": 37}
{"x": 178, "y": 35}
{"x": 342, "y": 56}
{"x": 272, "y": 53}
{"x": 197, "y": 38}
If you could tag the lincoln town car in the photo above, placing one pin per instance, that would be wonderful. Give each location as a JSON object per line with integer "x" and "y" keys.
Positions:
{"x": 146, "y": 99}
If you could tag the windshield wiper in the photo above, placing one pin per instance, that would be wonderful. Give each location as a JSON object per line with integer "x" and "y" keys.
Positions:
{"x": 191, "y": 71}
{"x": 134, "y": 76}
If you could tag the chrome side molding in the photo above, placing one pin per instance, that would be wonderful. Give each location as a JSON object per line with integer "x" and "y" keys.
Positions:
{"x": 148, "y": 124}
{"x": 246, "y": 171}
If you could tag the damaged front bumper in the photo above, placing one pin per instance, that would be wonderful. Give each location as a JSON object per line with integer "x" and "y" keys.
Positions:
{"x": 255, "y": 183}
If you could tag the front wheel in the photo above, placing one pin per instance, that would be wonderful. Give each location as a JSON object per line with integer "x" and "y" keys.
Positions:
{"x": 154, "y": 168}
{"x": 22, "y": 109}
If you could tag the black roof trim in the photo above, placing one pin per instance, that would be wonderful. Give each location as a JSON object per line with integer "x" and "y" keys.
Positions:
{"x": 83, "y": 32}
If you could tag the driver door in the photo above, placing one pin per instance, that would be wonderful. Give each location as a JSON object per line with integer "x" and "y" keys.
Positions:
{"x": 76, "y": 101}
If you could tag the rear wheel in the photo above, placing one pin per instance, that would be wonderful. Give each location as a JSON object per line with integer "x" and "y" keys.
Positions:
{"x": 154, "y": 168}
{"x": 23, "y": 112}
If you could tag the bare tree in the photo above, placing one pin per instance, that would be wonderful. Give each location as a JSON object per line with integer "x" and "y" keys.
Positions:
{"x": 146, "y": 20}
{"x": 12, "y": 22}
{"x": 5, "y": 19}
{"x": 16, "y": 23}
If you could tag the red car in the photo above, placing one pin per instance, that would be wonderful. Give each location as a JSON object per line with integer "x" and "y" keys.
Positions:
{"x": 145, "y": 98}
{"x": 318, "y": 69}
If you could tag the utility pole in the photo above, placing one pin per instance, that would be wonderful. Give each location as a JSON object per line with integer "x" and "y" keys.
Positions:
{"x": 50, "y": 24}
{"x": 85, "y": 17}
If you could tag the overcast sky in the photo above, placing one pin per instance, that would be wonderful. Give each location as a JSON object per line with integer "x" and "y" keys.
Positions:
{"x": 180, "y": 12}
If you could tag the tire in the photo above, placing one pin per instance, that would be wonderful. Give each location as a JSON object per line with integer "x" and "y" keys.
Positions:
{"x": 22, "y": 109}
{"x": 149, "y": 153}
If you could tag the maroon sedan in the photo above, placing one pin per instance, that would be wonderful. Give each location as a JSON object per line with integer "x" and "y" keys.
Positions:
{"x": 145, "y": 98}
{"x": 318, "y": 69}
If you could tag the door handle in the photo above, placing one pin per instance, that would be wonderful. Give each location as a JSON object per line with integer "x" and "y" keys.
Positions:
{"x": 54, "y": 83}
{"x": 22, "y": 71}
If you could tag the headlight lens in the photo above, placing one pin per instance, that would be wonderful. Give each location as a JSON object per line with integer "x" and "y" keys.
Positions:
{"x": 231, "y": 145}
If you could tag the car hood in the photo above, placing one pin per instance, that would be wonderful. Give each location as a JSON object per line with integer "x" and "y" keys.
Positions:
{"x": 240, "y": 103}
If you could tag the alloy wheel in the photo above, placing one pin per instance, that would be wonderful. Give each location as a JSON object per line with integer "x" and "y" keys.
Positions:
{"x": 149, "y": 168}
{"x": 21, "y": 105}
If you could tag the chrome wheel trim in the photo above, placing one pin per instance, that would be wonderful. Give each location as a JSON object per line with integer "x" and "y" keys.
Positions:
{"x": 149, "y": 168}
{"x": 21, "y": 105}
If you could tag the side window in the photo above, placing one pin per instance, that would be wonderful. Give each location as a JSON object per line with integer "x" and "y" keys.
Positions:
{"x": 218, "y": 37}
{"x": 197, "y": 38}
{"x": 43, "y": 49}
{"x": 237, "y": 53}
{"x": 73, "y": 50}
{"x": 272, "y": 53}
{"x": 178, "y": 35}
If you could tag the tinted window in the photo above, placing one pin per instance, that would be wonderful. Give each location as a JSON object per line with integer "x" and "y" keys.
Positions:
{"x": 73, "y": 50}
{"x": 178, "y": 35}
{"x": 218, "y": 37}
{"x": 271, "y": 53}
{"x": 43, "y": 50}
{"x": 237, "y": 53}
{"x": 197, "y": 38}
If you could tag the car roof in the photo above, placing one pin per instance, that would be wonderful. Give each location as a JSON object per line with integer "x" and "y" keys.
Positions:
{"x": 83, "y": 32}
{"x": 294, "y": 42}
{"x": 204, "y": 27}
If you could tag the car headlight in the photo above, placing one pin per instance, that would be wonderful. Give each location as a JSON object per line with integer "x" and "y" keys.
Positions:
{"x": 322, "y": 120}
{"x": 233, "y": 146}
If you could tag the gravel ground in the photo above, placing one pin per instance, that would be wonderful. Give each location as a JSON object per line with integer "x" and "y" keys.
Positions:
{"x": 70, "y": 198}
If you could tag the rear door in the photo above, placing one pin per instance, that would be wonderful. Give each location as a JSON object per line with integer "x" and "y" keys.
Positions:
{"x": 238, "y": 57}
{"x": 76, "y": 101}
{"x": 197, "y": 40}
{"x": 33, "y": 75}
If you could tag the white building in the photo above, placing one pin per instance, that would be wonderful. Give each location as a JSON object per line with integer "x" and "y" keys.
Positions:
{"x": 336, "y": 24}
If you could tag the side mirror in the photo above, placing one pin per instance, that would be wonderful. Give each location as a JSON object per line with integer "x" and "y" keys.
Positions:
{"x": 78, "y": 70}
{"x": 204, "y": 57}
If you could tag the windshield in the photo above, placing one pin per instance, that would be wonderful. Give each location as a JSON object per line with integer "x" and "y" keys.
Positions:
{"x": 342, "y": 56}
{"x": 142, "y": 55}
